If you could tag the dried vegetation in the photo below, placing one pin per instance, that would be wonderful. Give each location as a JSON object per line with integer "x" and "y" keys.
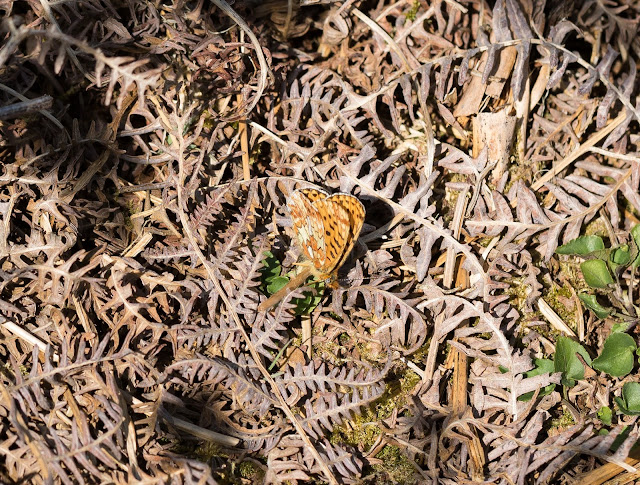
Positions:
{"x": 148, "y": 149}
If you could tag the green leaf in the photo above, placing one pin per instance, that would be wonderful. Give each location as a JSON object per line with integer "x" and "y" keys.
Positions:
{"x": 620, "y": 327}
{"x": 629, "y": 403}
{"x": 272, "y": 282}
{"x": 582, "y": 245}
{"x": 605, "y": 414}
{"x": 621, "y": 255}
{"x": 596, "y": 274}
{"x": 635, "y": 234}
{"x": 270, "y": 271}
{"x": 617, "y": 357}
{"x": 565, "y": 360}
{"x": 309, "y": 300}
{"x": 542, "y": 366}
{"x": 603, "y": 254}
{"x": 619, "y": 259}
{"x": 276, "y": 284}
{"x": 592, "y": 304}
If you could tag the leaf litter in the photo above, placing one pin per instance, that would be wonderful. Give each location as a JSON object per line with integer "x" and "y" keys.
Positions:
{"x": 148, "y": 150}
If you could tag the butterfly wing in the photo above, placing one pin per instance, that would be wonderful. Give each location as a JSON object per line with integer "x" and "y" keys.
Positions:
{"x": 313, "y": 194}
{"x": 342, "y": 217}
{"x": 356, "y": 212}
{"x": 308, "y": 224}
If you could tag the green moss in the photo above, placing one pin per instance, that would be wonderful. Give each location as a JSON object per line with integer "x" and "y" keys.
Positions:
{"x": 362, "y": 431}
{"x": 556, "y": 297}
{"x": 335, "y": 316}
{"x": 411, "y": 14}
{"x": 251, "y": 471}
{"x": 206, "y": 451}
{"x": 237, "y": 473}
{"x": 344, "y": 338}
{"x": 329, "y": 351}
{"x": 518, "y": 292}
{"x": 627, "y": 206}
{"x": 553, "y": 298}
{"x": 596, "y": 228}
{"x": 395, "y": 467}
{"x": 484, "y": 241}
{"x": 564, "y": 421}
{"x": 451, "y": 197}
{"x": 131, "y": 209}
{"x": 522, "y": 170}
{"x": 422, "y": 354}
{"x": 570, "y": 269}
{"x": 183, "y": 448}
{"x": 409, "y": 382}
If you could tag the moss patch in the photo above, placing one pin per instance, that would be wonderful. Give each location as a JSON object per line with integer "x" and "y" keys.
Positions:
{"x": 395, "y": 467}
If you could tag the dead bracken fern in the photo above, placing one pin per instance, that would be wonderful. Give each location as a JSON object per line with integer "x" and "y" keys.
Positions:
{"x": 148, "y": 151}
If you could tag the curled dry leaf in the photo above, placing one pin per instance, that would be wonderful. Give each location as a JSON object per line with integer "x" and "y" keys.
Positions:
{"x": 143, "y": 220}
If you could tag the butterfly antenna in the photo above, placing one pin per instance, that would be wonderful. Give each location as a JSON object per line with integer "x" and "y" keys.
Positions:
{"x": 364, "y": 278}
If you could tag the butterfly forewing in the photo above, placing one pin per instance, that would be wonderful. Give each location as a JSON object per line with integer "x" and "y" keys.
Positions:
{"x": 337, "y": 231}
{"x": 355, "y": 210}
{"x": 313, "y": 194}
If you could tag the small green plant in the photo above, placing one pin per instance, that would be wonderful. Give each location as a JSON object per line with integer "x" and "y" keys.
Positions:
{"x": 602, "y": 271}
{"x": 629, "y": 403}
{"x": 617, "y": 359}
{"x": 605, "y": 414}
{"x": 542, "y": 366}
{"x": 272, "y": 281}
{"x": 566, "y": 360}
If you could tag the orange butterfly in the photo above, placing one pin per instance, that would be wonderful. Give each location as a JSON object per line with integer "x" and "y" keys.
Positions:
{"x": 327, "y": 227}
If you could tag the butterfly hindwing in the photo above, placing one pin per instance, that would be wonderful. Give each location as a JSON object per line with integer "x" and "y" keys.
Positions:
{"x": 308, "y": 225}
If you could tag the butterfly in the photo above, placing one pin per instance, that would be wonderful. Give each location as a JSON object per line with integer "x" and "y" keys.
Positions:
{"x": 327, "y": 227}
